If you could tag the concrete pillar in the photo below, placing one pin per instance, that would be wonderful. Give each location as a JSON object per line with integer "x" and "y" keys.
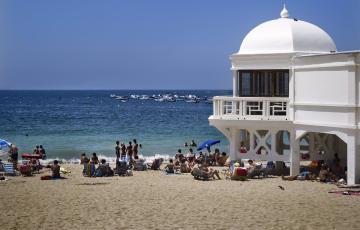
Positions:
{"x": 234, "y": 143}
{"x": 235, "y": 84}
{"x": 353, "y": 159}
{"x": 294, "y": 154}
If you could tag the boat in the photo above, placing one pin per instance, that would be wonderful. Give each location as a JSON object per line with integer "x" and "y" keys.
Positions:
{"x": 121, "y": 97}
{"x": 134, "y": 96}
{"x": 159, "y": 99}
{"x": 192, "y": 101}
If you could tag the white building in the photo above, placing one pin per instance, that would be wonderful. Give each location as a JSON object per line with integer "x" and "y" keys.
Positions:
{"x": 289, "y": 82}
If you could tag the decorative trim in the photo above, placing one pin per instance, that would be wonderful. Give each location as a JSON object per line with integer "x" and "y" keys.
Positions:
{"x": 294, "y": 104}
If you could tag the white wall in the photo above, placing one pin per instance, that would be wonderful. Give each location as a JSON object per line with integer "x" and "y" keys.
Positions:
{"x": 326, "y": 90}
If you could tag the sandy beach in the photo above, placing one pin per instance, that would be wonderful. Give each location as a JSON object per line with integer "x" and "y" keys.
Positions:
{"x": 153, "y": 200}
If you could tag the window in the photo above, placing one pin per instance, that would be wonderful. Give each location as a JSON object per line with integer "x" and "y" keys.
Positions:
{"x": 263, "y": 83}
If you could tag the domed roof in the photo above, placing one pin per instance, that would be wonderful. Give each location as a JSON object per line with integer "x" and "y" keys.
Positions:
{"x": 286, "y": 35}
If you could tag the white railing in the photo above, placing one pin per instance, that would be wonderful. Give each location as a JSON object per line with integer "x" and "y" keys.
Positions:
{"x": 252, "y": 108}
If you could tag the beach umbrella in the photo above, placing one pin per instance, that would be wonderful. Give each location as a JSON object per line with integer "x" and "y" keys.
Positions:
{"x": 207, "y": 144}
{"x": 4, "y": 143}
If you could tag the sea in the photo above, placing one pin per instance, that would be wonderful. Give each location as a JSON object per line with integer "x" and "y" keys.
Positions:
{"x": 70, "y": 122}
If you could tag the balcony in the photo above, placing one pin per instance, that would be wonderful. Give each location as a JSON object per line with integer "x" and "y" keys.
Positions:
{"x": 251, "y": 108}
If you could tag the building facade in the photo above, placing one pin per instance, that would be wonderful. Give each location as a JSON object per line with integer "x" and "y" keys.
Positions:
{"x": 295, "y": 97}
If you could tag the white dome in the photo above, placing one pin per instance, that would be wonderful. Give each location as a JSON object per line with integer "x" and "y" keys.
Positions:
{"x": 286, "y": 35}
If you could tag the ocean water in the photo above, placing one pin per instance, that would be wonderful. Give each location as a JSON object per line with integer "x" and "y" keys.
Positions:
{"x": 68, "y": 123}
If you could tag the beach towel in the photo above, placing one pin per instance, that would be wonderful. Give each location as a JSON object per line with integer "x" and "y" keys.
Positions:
{"x": 51, "y": 178}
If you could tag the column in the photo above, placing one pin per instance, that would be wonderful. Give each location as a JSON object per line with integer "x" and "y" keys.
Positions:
{"x": 235, "y": 84}
{"x": 234, "y": 143}
{"x": 353, "y": 160}
{"x": 294, "y": 154}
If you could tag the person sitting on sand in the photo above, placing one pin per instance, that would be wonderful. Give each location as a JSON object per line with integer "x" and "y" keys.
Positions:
{"x": 94, "y": 159}
{"x": 104, "y": 169}
{"x": 200, "y": 171}
{"x": 201, "y": 158}
{"x": 55, "y": 169}
{"x": 306, "y": 175}
{"x": 139, "y": 164}
{"x": 155, "y": 165}
{"x": 325, "y": 175}
{"x": 222, "y": 159}
{"x": 170, "y": 167}
{"x": 184, "y": 167}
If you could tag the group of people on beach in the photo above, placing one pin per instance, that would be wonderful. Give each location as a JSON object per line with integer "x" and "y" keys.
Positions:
{"x": 126, "y": 158}
{"x": 198, "y": 166}
{"x": 38, "y": 153}
{"x": 131, "y": 150}
{"x": 327, "y": 172}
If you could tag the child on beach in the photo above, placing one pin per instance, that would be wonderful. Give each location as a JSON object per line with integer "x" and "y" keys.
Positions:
{"x": 55, "y": 169}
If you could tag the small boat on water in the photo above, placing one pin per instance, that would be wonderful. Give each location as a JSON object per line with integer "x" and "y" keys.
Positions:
{"x": 144, "y": 97}
{"x": 134, "y": 96}
{"x": 159, "y": 99}
{"x": 192, "y": 101}
{"x": 121, "y": 97}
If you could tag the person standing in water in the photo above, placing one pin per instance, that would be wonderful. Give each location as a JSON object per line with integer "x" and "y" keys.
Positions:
{"x": 117, "y": 150}
{"x": 129, "y": 150}
{"x": 135, "y": 148}
{"x": 42, "y": 152}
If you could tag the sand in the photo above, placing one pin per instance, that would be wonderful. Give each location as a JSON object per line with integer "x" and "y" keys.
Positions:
{"x": 152, "y": 200}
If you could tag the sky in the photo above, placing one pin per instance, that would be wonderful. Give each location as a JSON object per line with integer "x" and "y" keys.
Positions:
{"x": 142, "y": 44}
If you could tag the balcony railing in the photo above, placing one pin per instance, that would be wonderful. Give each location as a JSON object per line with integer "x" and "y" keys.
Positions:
{"x": 251, "y": 108}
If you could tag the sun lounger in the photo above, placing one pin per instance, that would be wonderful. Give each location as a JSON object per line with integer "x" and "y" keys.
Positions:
{"x": 9, "y": 169}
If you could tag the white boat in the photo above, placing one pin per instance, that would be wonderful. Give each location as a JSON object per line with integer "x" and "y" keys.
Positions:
{"x": 159, "y": 99}
{"x": 192, "y": 101}
{"x": 121, "y": 97}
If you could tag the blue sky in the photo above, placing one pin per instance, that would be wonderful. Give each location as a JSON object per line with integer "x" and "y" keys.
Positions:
{"x": 142, "y": 44}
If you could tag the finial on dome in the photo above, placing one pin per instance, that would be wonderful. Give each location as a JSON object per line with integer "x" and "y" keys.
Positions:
{"x": 284, "y": 13}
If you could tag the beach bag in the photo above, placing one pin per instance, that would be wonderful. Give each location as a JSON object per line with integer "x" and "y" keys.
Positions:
{"x": 239, "y": 171}
{"x": 25, "y": 170}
